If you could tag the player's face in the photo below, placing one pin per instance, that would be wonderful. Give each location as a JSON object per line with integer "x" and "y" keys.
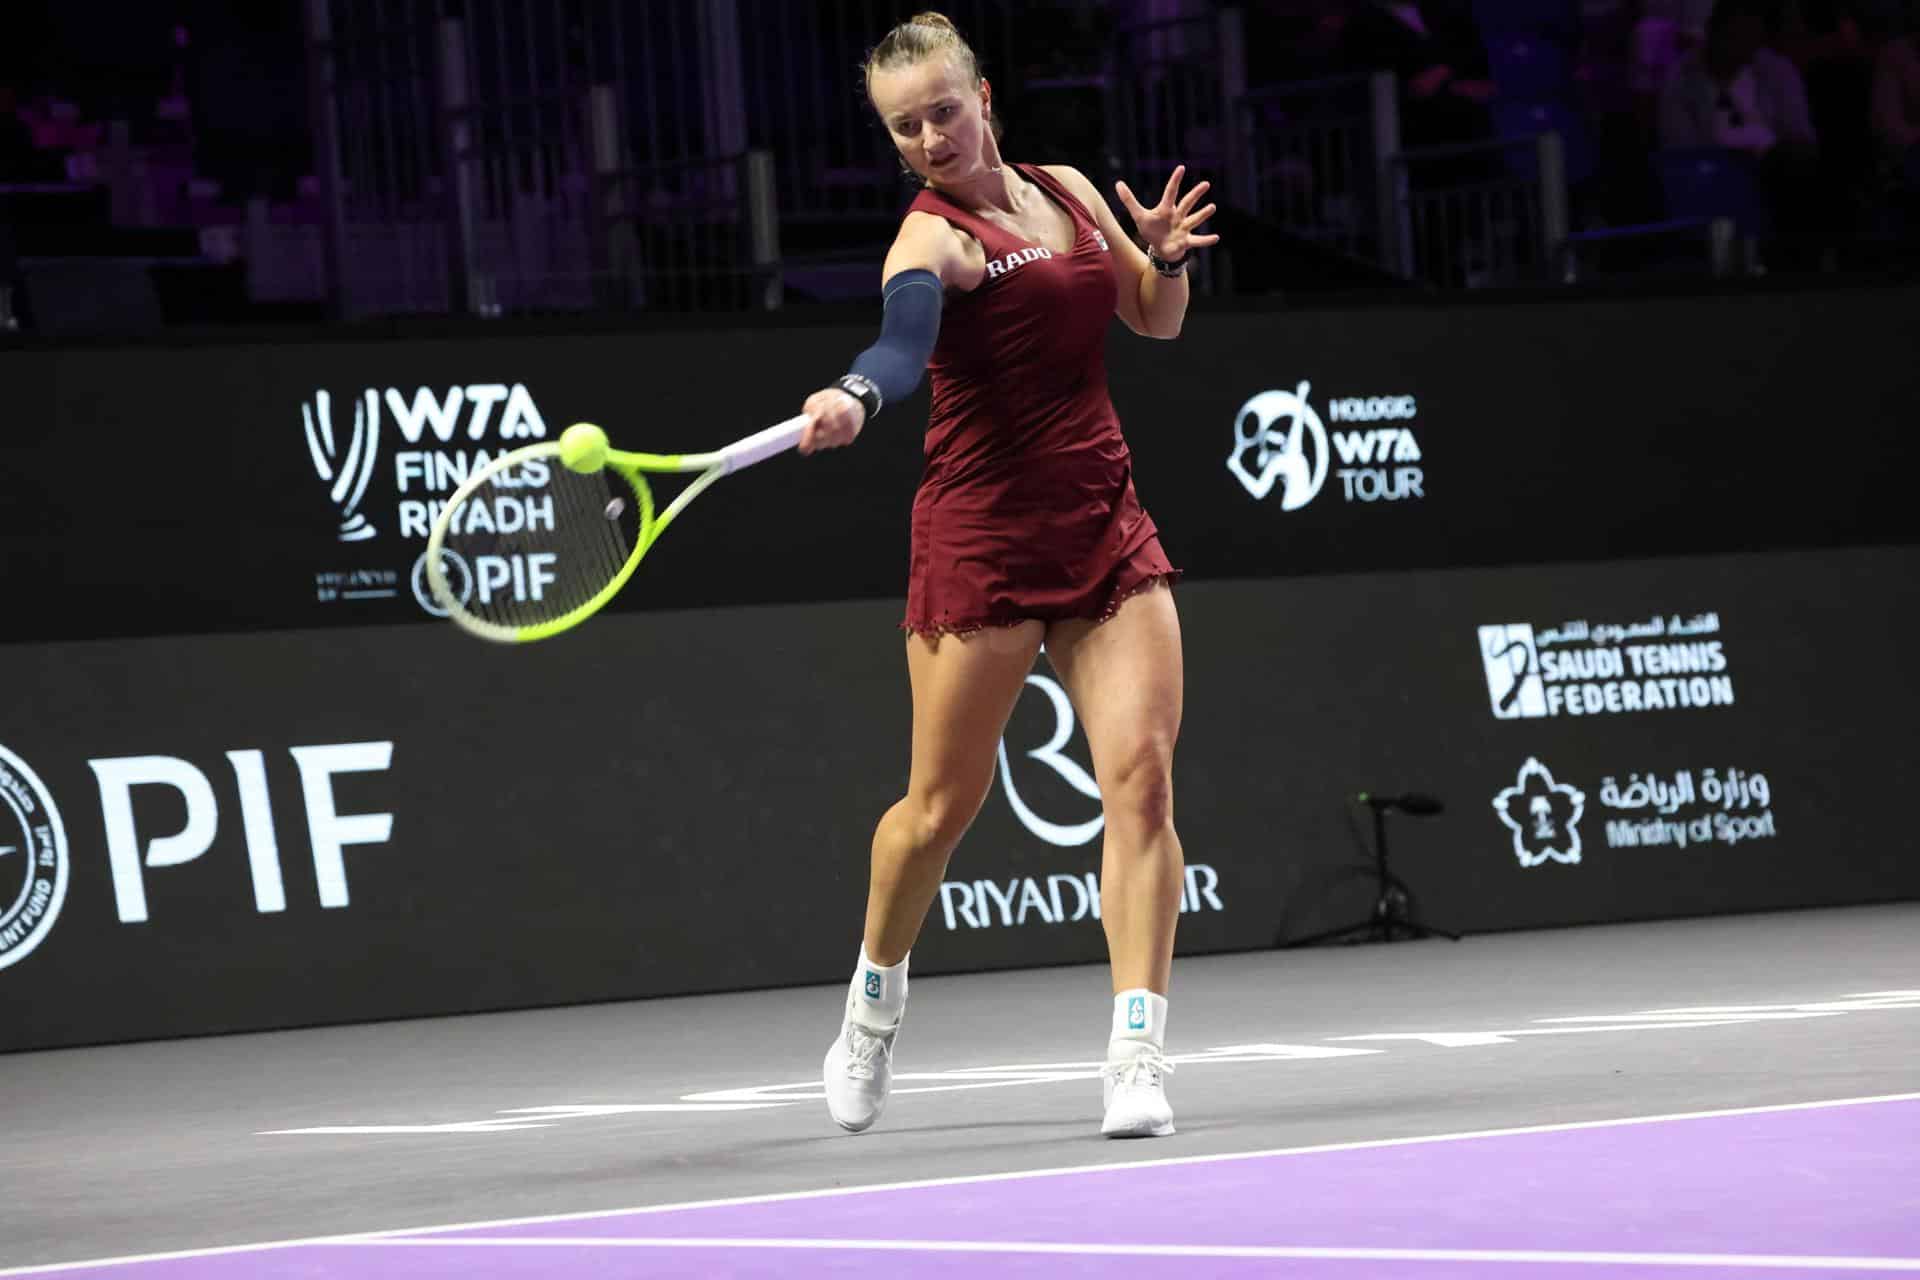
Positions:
{"x": 936, "y": 118}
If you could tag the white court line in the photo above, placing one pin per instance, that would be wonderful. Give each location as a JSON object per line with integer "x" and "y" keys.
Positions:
{"x": 1745, "y": 1261}
{"x": 965, "y": 1180}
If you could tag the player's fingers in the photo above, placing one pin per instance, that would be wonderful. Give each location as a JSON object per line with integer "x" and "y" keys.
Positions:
{"x": 1172, "y": 192}
{"x": 1126, "y": 198}
{"x": 1201, "y": 242}
{"x": 1194, "y": 220}
{"x": 1186, "y": 201}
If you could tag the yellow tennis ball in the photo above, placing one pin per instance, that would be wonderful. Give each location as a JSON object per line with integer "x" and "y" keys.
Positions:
{"x": 583, "y": 448}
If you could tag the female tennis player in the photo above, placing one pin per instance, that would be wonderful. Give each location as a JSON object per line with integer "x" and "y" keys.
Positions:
{"x": 1025, "y": 531}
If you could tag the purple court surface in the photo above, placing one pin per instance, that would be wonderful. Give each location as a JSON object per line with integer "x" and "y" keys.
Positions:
{"x": 1434, "y": 1118}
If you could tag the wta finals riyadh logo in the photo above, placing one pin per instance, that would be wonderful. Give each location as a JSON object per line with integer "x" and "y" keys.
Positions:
{"x": 1280, "y": 455}
{"x": 1543, "y": 815}
{"x": 347, "y": 475}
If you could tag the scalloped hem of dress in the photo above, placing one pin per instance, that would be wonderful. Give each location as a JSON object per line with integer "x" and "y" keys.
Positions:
{"x": 965, "y": 629}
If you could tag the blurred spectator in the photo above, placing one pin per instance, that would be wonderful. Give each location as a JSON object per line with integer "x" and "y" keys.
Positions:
{"x": 1735, "y": 92}
{"x": 1896, "y": 106}
{"x": 1441, "y": 65}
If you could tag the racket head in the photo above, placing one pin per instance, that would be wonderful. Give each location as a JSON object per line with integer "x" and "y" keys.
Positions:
{"x": 527, "y": 548}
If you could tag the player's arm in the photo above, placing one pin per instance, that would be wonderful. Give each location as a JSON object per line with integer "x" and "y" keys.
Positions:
{"x": 1150, "y": 303}
{"x": 928, "y": 256}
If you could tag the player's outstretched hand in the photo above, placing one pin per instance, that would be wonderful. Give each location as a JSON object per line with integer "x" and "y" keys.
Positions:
{"x": 834, "y": 418}
{"x": 1170, "y": 226}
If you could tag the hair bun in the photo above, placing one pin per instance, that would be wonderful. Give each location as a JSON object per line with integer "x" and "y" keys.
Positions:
{"x": 933, "y": 18}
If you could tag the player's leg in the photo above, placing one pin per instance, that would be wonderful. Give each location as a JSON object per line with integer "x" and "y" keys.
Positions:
{"x": 964, "y": 688}
{"x": 1125, "y": 678}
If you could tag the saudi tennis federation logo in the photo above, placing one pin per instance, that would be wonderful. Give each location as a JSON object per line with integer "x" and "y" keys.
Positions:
{"x": 1543, "y": 815}
{"x": 33, "y": 860}
{"x": 1286, "y": 443}
{"x": 345, "y": 463}
{"x": 1511, "y": 657}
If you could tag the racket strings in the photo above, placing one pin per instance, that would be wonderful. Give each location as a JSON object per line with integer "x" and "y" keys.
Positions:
{"x": 540, "y": 541}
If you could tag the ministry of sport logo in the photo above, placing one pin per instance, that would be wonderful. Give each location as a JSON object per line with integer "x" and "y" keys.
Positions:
{"x": 1653, "y": 811}
{"x": 1543, "y": 815}
{"x": 1279, "y": 441}
{"x": 33, "y": 860}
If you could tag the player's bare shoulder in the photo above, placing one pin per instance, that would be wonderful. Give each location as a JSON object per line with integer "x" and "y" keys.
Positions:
{"x": 1073, "y": 180}
{"x": 931, "y": 243}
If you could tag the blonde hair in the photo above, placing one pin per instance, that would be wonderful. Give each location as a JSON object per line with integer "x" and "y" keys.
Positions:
{"x": 926, "y": 35}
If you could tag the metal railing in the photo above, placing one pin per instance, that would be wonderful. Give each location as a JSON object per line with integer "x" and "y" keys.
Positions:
{"x": 805, "y": 100}
{"x": 698, "y": 235}
{"x": 1317, "y": 161}
{"x": 1480, "y": 214}
{"x": 1173, "y": 94}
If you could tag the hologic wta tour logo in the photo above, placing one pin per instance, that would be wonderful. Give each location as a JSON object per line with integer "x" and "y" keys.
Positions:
{"x": 440, "y": 436}
{"x": 1580, "y": 669}
{"x": 1061, "y": 898}
{"x": 1543, "y": 815}
{"x": 1280, "y": 441}
{"x": 33, "y": 860}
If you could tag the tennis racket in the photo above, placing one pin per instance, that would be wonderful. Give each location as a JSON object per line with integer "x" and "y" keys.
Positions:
{"x": 541, "y": 538}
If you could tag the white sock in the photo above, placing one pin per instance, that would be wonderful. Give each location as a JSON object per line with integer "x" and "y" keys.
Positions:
{"x": 1139, "y": 1017}
{"x": 879, "y": 993}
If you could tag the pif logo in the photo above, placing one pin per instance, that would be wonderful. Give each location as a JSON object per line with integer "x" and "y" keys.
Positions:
{"x": 33, "y": 859}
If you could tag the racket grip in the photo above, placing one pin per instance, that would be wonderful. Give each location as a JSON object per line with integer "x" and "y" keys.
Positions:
{"x": 762, "y": 445}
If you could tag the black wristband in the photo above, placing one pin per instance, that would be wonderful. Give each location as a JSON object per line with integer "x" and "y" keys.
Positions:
{"x": 862, "y": 389}
{"x": 1165, "y": 268}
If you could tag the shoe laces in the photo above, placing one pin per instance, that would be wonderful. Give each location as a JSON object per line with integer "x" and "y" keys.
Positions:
{"x": 1145, "y": 1067}
{"x": 864, "y": 1048}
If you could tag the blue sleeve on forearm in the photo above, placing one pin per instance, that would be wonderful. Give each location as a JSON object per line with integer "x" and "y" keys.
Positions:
{"x": 909, "y": 326}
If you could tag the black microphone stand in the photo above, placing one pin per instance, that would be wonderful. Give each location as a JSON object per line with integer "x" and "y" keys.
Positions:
{"x": 1392, "y": 919}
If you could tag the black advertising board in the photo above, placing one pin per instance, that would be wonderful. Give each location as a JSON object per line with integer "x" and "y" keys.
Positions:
{"x": 201, "y": 488}
{"x": 225, "y": 832}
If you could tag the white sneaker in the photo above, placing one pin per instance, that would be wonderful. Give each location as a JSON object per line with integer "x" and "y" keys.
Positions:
{"x": 858, "y": 1073}
{"x": 1133, "y": 1084}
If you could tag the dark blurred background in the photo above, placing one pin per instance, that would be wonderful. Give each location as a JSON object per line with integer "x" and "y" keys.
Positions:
{"x": 189, "y": 162}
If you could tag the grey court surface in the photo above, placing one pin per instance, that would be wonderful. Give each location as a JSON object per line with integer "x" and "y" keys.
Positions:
{"x": 190, "y": 1146}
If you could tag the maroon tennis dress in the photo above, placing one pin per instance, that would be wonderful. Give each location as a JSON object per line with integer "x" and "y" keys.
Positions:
{"x": 1026, "y": 506}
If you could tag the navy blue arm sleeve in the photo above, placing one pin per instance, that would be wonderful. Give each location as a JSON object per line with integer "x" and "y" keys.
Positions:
{"x": 908, "y": 328}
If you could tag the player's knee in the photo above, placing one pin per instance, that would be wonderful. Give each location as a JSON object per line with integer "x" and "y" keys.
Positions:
{"x": 943, "y": 814}
{"x": 1138, "y": 792}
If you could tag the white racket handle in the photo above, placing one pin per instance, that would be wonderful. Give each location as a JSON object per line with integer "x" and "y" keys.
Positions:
{"x": 762, "y": 445}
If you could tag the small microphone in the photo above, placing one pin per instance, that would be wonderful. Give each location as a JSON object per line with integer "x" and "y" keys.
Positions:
{"x": 1412, "y": 802}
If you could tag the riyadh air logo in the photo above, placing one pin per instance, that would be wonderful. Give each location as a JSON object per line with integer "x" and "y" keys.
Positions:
{"x": 1136, "y": 1013}
{"x": 33, "y": 860}
{"x": 1284, "y": 440}
{"x": 1050, "y": 754}
{"x": 344, "y": 461}
{"x": 1543, "y": 815}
